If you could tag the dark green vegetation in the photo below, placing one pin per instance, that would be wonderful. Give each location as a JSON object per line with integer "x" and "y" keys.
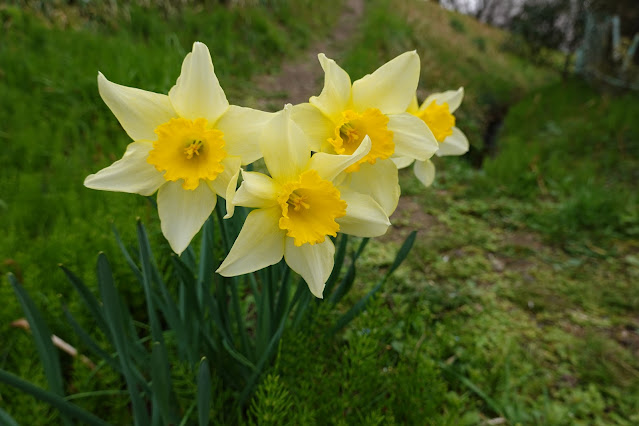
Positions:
{"x": 520, "y": 299}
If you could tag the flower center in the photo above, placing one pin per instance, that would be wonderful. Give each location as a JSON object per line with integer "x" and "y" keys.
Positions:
{"x": 188, "y": 150}
{"x": 352, "y": 129}
{"x": 438, "y": 119}
{"x": 310, "y": 206}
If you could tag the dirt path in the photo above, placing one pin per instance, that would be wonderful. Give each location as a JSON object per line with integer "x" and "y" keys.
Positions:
{"x": 300, "y": 79}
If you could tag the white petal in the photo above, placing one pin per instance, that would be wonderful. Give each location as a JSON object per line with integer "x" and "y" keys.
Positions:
{"x": 336, "y": 93}
{"x": 425, "y": 172}
{"x": 131, "y": 173}
{"x": 328, "y": 166}
{"x": 364, "y": 217}
{"x": 242, "y": 128}
{"x": 316, "y": 125}
{"x": 455, "y": 144}
{"x": 412, "y": 137}
{"x": 402, "y": 162}
{"x": 183, "y": 212}
{"x": 285, "y": 146}
{"x": 380, "y": 181}
{"x": 225, "y": 183}
{"x": 391, "y": 87}
{"x": 452, "y": 97}
{"x": 260, "y": 244}
{"x": 197, "y": 92}
{"x": 257, "y": 190}
{"x": 313, "y": 262}
{"x": 138, "y": 111}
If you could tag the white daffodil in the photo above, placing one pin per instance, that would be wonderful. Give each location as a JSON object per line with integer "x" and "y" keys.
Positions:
{"x": 188, "y": 146}
{"x": 437, "y": 112}
{"x": 339, "y": 118}
{"x": 298, "y": 207}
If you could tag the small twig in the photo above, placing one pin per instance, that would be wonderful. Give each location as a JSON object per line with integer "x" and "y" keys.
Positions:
{"x": 58, "y": 342}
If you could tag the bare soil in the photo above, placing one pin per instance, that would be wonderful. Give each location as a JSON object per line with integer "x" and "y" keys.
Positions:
{"x": 301, "y": 78}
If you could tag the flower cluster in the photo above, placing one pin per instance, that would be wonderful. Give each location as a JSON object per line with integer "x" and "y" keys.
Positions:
{"x": 332, "y": 162}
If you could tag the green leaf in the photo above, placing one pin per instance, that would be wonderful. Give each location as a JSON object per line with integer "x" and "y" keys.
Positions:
{"x": 360, "y": 306}
{"x": 203, "y": 392}
{"x": 473, "y": 387}
{"x": 126, "y": 254}
{"x": 337, "y": 266}
{"x": 161, "y": 384}
{"x": 6, "y": 419}
{"x": 268, "y": 353}
{"x": 65, "y": 407}
{"x": 113, "y": 314}
{"x": 88, "y": 340}
{"x": 89, "y": 300}
{"x": 238, "y": 356}
{"x": 206, "y": 267}
{"x": 402, "y": 253}
{"x": 42, "y": 336}
{"x": 239, "y": 318}
{"x": 347, "y": 282}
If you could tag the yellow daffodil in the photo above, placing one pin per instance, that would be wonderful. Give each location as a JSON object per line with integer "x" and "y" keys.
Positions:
{"x": 188, "y": 146}
{"x": 437, "y": 112}
{"x": 339, "y": 118}
{"x": 299, "y": 206}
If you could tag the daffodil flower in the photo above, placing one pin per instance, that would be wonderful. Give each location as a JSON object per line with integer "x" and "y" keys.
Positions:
{"x": 437, "y": 112}
{"x": 188, "y": 146}
{"x": 339, "y": 118}
{"x": 299, "y": 206}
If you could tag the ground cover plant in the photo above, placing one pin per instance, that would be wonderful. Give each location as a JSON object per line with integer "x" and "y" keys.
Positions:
{"x": 518, "y": 302}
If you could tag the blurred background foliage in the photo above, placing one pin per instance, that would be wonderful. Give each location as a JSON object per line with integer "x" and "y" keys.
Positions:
{"x": 519, "y": 302}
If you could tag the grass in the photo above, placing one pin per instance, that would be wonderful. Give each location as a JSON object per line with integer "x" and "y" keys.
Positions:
{"x": 519, "y": 300}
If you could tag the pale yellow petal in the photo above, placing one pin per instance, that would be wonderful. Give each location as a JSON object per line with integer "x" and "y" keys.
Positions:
{"x": 129, "y": 174}
{"x": 402, "y": 162}
{"x": 242, "y": 128}
{"x": 260, "y": 244}
{"x": 183, "y": 212}
{"x": 413, "y": 106}
{"x": 364, "y": 216}
{"x": 391, "y": 87}
{"x": 380, "y": 181}
{"x": 336, "y": 93}
{"x": 257, "y": 191}
{"x": 425, "y": 172}
{"x": 314, "y": 263}
{"x": 316, "y": 125}
{"x": 285, "y": 146}
{"x": 328, "y": 166}
{"x": 225, "y": 183}
{"x": 138, "y": 111}
{"x": 412, "y": 137}
{"x": 452, "y": 97}
{"x": 197, "y": 92}
{"x": 455, "y": 144}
